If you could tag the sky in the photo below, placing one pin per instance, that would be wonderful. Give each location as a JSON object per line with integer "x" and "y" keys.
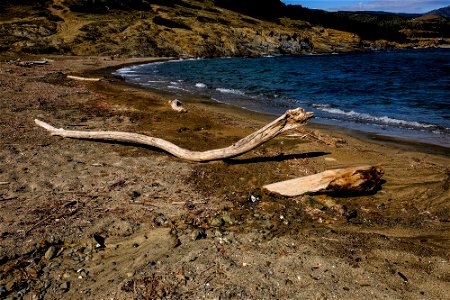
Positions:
{"x": 397, "y": 6}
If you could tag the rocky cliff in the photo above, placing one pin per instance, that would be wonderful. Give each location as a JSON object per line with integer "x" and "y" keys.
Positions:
{"x": 168, "y": 28}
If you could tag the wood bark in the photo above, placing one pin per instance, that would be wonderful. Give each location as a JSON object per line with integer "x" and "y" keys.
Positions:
{"x": 349, "y": 180}
{"x": 290, "y": 120}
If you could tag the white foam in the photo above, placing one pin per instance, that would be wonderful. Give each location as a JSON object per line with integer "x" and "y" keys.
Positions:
{"x": 385, "y": 120}
{"x": 230, "y": 91}
{"x": 200, "y": 85}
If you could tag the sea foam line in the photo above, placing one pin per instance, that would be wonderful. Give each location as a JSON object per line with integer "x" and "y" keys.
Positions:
{"x": 230, "y": 91}
{"x": 385, "y": 120}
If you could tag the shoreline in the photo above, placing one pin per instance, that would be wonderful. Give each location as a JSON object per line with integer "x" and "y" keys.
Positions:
{"x": 395, "y": 141}
{"x": 166, "y": 227}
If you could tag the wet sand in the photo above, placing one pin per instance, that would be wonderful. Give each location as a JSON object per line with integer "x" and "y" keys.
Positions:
{"x": 89, "y": 219}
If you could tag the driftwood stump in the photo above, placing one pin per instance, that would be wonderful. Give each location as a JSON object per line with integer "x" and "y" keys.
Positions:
{"x": 177, "y": 105}
{"x": 290, "y": 120}
{"x": 350, "y": 180}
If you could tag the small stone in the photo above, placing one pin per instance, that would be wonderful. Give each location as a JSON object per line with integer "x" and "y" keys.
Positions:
{"x": 176, "y": 242}
{"x": 197, "y": 234}
{"x": 268, "y": 224}
{"x": 99, "y": 240}
{"x": 2, "y": 291}
{"x": 216, "y": 222}
{"x": 351, "y": 214}
{"x": 160, "y": 220}
{"x": 135, "y": 195}
{"x": 66, "y": 276}
{"x": 47, "y": 284}
{"x": 65, "y": 286}
{"x": 228, "y": 218}
{"x": 50, "y": 253}
{"x": 314, "y": 203}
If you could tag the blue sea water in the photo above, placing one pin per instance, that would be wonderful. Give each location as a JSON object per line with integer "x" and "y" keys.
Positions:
{"x": 404, "y": 94}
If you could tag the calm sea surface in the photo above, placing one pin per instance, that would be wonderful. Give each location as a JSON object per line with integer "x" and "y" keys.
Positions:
{"x": 403, "y": 94}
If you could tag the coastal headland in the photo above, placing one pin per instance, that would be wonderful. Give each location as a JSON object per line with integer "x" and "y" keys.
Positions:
{"x": 89, "y": 219}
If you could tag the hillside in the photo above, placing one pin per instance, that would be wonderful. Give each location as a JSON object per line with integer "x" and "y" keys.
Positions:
{"x": 192, "y": 28}
{"x": 441, "y": 12}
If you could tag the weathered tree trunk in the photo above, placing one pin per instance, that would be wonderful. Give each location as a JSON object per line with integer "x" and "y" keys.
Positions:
{"x": 290, "y": 120}
{"x": 349, "y": 180}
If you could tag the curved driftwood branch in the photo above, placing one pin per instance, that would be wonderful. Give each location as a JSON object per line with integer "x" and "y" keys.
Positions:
{"x": 349, "y": 180}
{"x": 290, "y": 120}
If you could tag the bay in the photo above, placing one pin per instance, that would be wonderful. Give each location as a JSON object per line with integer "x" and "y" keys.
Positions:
{"x": 402, "y": 94}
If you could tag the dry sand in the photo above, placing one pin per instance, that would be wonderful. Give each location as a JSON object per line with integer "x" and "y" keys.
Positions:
{"x": 94, "y": 220}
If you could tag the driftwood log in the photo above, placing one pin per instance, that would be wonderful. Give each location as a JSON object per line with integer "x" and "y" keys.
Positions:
{"x": 290, "y": 120}
{"x": 73, "y": 77}
{"x": 28, "y": 63}
{"x": 177, "y": 105}
{"x": 349, "y": 180}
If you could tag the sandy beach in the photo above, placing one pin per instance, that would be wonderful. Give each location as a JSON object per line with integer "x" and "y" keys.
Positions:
{"x": 86, "y": 219}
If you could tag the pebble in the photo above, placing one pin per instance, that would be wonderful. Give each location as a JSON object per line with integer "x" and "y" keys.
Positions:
{"x": 217, "y": 222}
{"x": 176, "y": 242}
{"x": 197, "y": 234}
{"x": 228, "y": 218}
{"x": 160, "y": 220}
{"x": 130, "y": 274}
{"x": 50, "y": 253}
{"x": 2, "y": 291}
{"x": 65, "y": 286}
{"x": 99, "y": 240}
{"x": 351, "y": 215}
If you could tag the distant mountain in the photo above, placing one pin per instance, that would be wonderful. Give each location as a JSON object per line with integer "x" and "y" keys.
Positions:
{"x": 441, "y": 12}
{"x": 383, "y": 13}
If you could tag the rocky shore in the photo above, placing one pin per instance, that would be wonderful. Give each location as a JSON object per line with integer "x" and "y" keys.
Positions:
{"x": 87, "y": 219}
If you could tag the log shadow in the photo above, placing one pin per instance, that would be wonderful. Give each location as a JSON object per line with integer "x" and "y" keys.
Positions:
{"x": 231, "y": 161}
{"x": 276, "y": 158}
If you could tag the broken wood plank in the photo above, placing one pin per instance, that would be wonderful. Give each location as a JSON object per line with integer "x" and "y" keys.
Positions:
{"x": 290, "y": 120}
{"x": 349, "y": 180}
